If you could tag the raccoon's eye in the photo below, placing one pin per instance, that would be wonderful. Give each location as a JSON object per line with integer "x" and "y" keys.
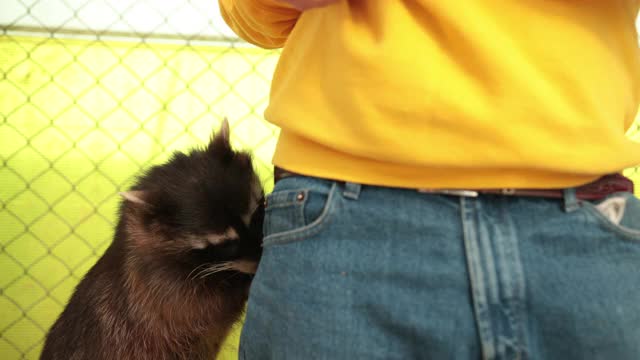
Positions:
{"x": 226, "y": 251}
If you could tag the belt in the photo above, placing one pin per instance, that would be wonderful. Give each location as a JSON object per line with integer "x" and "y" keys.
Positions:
{"x": 595, "y": 190}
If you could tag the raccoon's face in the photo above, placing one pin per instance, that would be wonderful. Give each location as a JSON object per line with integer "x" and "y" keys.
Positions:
{"x": 204, "y": 208}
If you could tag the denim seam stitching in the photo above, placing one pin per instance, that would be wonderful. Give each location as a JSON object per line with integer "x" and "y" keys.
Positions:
{"x": 479, "y": 295}
{"x": 305, "y": 231}
{"x": 516, "y": 287}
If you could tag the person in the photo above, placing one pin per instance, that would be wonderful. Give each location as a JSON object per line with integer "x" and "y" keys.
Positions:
{"x": 448, "y": 180}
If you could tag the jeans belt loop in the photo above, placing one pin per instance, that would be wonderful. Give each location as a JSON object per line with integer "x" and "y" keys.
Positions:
{"x": 571, "y": 202}
{"x": 352, "y": 190}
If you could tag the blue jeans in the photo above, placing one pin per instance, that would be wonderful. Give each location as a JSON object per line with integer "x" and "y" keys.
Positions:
{"x": 352, "y": 271}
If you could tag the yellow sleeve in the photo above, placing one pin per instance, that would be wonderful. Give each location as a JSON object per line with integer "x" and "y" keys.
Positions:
{"x": 265, "y": 23}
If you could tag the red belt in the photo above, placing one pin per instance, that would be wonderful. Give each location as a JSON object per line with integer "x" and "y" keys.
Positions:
{"x": 595, "y": 190}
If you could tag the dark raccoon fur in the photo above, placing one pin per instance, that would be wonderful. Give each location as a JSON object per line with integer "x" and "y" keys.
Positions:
{"x": 176, "y": 276}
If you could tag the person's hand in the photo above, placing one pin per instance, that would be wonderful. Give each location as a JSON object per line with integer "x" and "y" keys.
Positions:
{"x": 303, "y": 5}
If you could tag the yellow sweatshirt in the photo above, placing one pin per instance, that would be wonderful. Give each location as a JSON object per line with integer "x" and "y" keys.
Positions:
{"x": 451, "y": 94}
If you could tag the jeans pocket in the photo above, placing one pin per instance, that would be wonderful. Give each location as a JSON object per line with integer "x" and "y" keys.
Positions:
{"x": 296, "y": 213}
{"x": 619, "y": 213}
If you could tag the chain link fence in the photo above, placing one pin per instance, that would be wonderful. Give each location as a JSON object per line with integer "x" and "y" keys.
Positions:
{"x": 93, "y": 91}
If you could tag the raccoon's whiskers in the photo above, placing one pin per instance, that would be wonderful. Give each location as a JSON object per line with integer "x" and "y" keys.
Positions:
{"x": 189, "y": 277}
{"x": 213, "y": 269}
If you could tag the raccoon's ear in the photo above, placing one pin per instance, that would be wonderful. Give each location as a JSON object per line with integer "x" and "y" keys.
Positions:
{"x": 224, "y": 130}
{"x": 220, "y": 145}
{"x": 135, "y": 196}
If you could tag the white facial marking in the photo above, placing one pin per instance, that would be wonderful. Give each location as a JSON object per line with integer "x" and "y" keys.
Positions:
{"x": 198, "y": 243}
{"x": 229, "y": 234}
{"x": 244, "y": 266}
{"x": 201, "y": 242}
